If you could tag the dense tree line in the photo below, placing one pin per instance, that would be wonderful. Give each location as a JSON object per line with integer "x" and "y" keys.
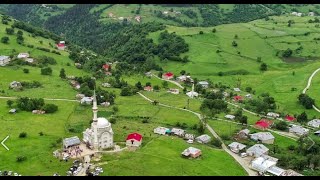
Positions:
{"x": 306, "y": 101}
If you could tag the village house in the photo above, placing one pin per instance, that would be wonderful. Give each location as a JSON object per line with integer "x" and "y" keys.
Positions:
{"x": 263, "y": 165}
{"x": 4, "y": 60}
{"x": 106, "y": 85}
{"x": 61, "y": 46}
{"x": 226, "y": 94}
{"x": 75, "y": 84}
{"x": 229, "y": 116}
{"x": 317, "y": 133}
{"x": 71, "y": 77}
{"x": 263, "y": 124}
{"x": 23, "y": 55}
{"x": 110, "y": 14}
{"x": 106, "y": 67}
{"x": 192, "y": 152}
{"x": 15, "y": 85}
{"x": 236, "y": 147}
{"x": 236, "y": 89}
{"x": 86, "y": 100}
{"x": 189, "y": 136}
{"x": 185, "y": 78}
{"x": 257, "y": 150}
{"x": 13, "y": 111}
{"x": 289, "y": 118}
{"x": 243, "y": 134}
{"x": 178, "y": 132}
{"x": 78, "y": 65}
{"x": 248, "y": 96}
{"x": 38, "y": 112}
{"x": 105, "y": 104}
{"x": 192, "y": 94}
{"x": 165, "y": 12}
{"x": 204, "y": 84}
{"x": 161, "y": 130}
{"x": 299, "y": 14}
{"x": 173, "y": 91}
{"x": 148, "y": 88}
{"x": 29, "y": 60}
{"x": 314, "y": 123}
{"x": 70, "y": 142}
{"x": 273, "y": 115}
{"x": 263, "y": 137}
{"x": 80, "y": 96}
{"x": 204, "y": 139}
{"x": 148, "y": 74}
{"x": 311, "y": 14}
{"x": 168, "y": 76}
{"x": 238, "y": 98}
{"x": 134, "y": 140}
{"x": 138, "y": 19}
{"x": 299, "y": 130}
{"x": 294, "y": 13}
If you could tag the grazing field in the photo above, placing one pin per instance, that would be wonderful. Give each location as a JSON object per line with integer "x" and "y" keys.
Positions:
{"x": 283, "y": 75}
{"x": 162, "y": 156}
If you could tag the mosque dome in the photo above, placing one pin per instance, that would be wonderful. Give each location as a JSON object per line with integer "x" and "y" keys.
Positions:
{"x": 102, "y": 122}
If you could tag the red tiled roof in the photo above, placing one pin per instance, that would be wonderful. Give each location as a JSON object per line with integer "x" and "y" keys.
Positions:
{"x": 238, "y": 98}
{"x": 134, "y": 136}
{"x": 263, "y": 123}
{"x": 168, "y": 74}
{"x": 106, "y": 66}
{"x": 290, "y": 118}
{"x": 148, "y": 88}
{"x": 60, "y": 45}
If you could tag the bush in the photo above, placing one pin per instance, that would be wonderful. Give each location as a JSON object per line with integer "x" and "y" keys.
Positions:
{"x": 145, "y": 121}
{"x": 46, "y": 71}
{"x": 23, "y": 135}
{"x": 225, "y": 137}
{"x": 115, "y": 109}
{"x": 5, "y": 40}
{"x": 21, "y": 158}
{"x": 26, "y": 71}
{"x": 216, "y": 143}
{"x": 41, "y": 133}
{"x": 113, "y": 120}
{"x": 50, "y": 108}
{"x": 282, "y": 125}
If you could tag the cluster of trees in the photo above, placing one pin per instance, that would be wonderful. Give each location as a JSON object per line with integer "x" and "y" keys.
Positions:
{"x": 46, "y": 71}
{"x": 306, "y": 101}
{"x": 46, "y": 60}
{"x": 239, "y": 117}
{"x": 5, "y": 39}
{"x": 213, "y": 104}
{"x": 287, "y": 53}
{"x": 175, "y": 19}
{"x": 263, "y": 104}
{"x": 190, "y": 13}
{"x": 29, "y": 85}
{"x": 171, "y": 46}
{"x": 30, "y": 104}
{"x": 20, "y": 38}
{"x": 316, "y": 20}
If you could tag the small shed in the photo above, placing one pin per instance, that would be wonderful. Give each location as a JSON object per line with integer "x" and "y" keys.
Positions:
{"x": 72, "y": 141}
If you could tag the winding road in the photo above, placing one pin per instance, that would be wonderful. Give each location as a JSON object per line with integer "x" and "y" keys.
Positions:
{"x": 309, "y": 84}
{"x": 174, "y": 82}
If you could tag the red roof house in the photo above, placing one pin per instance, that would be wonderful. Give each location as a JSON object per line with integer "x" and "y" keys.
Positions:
{"x": 106, "y": 67}
{"x": 168, "y": 75}
{"x": 148, "y": 88}
{"x": 290, "y": 118}
{"x": 263, "y": 124}
{"x": 238, "y": 98}
{"x": 134, "y": 140}
{"x": 61, "y": 46}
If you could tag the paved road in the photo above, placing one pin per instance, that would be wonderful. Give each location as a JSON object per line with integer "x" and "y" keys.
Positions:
{"x": 241, "y": 161}
{"x": 47, "y": 99}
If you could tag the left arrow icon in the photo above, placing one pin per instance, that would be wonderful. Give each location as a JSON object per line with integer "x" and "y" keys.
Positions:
{"x": 2, "y": 143}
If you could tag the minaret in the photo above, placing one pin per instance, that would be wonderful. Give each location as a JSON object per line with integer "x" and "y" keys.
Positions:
{"x": 95, "y": 121}
{"x": 192, "y": 91}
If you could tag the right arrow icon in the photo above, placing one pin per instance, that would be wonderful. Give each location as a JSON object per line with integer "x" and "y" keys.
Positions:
{"x": 2, "y": 143}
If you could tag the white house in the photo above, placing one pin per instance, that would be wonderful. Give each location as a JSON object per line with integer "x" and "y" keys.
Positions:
{"x": 184, "y": 78}
{"x": 226, "y": 94}
{"x": 29, "y": 60}
{"x": 80, "y": 96}
{"x": 311, "y": 14}
{"x": 15, "y": 85}
{"x": 161, "y": 130}
{"x": 243, "y": 134}
{"x": 294, "y": 13}
{"x": 236, "y": 89}
{"x": 189, "y": 136}
{"x": 106, "y": 85}
{"x": 204, "y": 84}
{"x": 229, "y": 116}
{"x": 192, "y": 152}
{"x": 274, "y": 115}
{"x": 249, "y": 96}
{"x": 263, "y": 137}
{"x": 298, "y": 130}
{"x": 257, "y": 150}
{"x": 299, "y": 14}
{"x": 192, "y": 94}
{"x": 23, "y": 55}
{"x": 86, "y": 100}
{"x": 165, "y": 12}
{"x": 4, "y": 60}
{"x": 204, "y": 139}
{"x": 178, "y": 132}
{"x": 262, "y": 165}
{"x": 314, "y": 123}
{"x": 236, "y": 147}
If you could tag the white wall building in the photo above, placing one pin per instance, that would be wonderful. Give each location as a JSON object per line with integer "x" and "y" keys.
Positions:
{"x": 4, "y": 60}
